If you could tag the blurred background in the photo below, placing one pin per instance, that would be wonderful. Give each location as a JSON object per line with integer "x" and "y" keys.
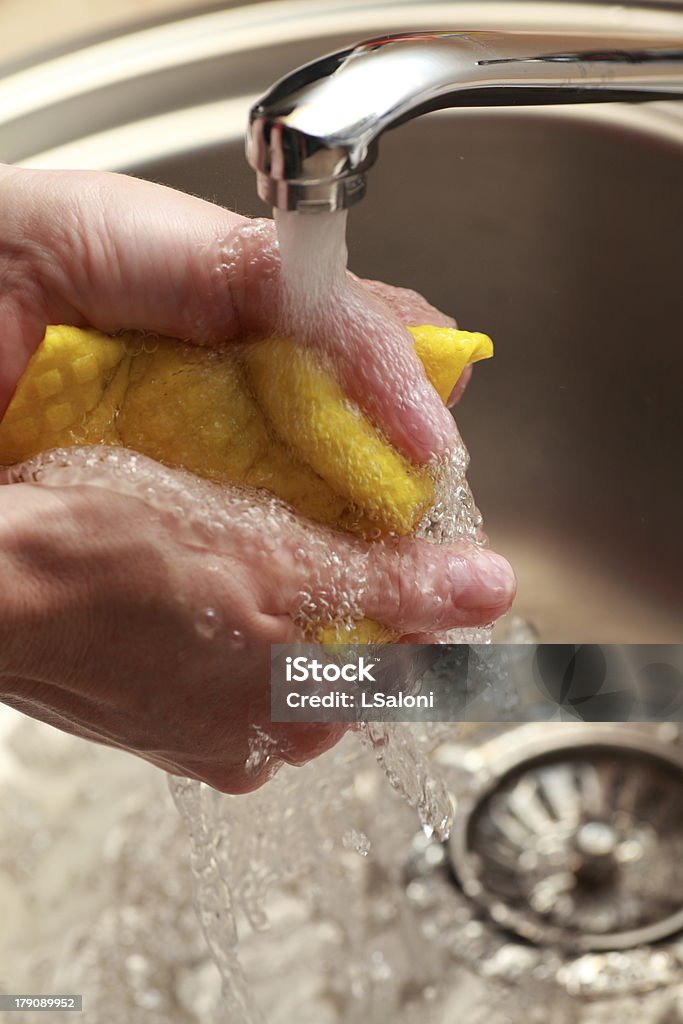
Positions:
{"x": 26, "y": 28}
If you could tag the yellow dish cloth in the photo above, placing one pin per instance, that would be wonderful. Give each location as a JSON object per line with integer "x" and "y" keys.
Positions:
{"x": 265, "y": 413}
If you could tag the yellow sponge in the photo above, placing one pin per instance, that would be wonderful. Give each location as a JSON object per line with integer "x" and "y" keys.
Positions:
{"x": 265, "y": 413}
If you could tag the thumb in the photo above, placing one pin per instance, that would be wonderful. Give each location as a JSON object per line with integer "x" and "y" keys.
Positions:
{"x": 420, "y": 587}
{"x": 410, "y": 585}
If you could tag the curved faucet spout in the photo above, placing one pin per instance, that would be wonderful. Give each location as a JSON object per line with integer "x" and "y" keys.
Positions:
{"x": 313, "y": 136}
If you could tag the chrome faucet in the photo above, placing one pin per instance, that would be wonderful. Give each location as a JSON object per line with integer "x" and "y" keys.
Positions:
{"x": 314, "y": 135}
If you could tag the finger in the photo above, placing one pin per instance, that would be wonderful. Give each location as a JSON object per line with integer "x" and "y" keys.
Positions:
{"x": 408, "y": 585}
{"x": 112, "y": 251}
{"x": 294, "y": 743}
{"x": 374, "y": 356}
{"x": 21, "y": 332}
{"x": 423, "y": 587}
{"x": 62, "y": 710}
{"x": 412, "y": 308}
{"x": 299, "y": 742}
{"x": 368, "y": 347}
{"x": 459, "y": 389}
{"x": 234, "y": 781}
{"x": 75, "y": 717}
{"x": 82, "y": 716}
{"x": 408, "y": 305}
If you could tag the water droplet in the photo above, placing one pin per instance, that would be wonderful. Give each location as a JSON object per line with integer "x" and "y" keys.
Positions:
{"x": 237, "y": 640}
{"x": 353, "y": 839}
{"x": 207, "y": 623}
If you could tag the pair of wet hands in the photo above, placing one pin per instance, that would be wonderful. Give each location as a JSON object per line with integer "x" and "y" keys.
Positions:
{"x": 114, "y": 564}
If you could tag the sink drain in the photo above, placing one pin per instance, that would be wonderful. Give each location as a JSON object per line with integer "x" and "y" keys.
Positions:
{"x": 579, "y": 846}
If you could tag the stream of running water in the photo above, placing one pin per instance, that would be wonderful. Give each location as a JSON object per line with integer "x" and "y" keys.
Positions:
{"x": 306, "y": 848}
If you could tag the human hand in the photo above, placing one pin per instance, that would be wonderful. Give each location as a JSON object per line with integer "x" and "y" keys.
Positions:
{"x": 139, "y": 605}
{"x": 113, "y": 252}
{"x": 98, "y": 613}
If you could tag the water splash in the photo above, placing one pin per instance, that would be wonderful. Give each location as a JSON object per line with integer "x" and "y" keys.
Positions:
{"x": 213, "y": 898}
{"x": 325, "y": 935}
{"x": 313, "y": 254}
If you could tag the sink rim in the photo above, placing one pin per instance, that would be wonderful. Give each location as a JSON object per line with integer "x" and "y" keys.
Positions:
{"x": 79, "y": 80}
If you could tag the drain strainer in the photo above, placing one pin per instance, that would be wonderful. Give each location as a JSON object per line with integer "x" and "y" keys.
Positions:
{"x": 580, "y": 847}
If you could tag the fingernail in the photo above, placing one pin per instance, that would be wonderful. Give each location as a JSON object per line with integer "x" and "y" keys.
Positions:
{"x": 429, "y": 439}
{"x": 499, "y": 576}
{"x": 460, "y": 386}
{"x": 483, "y": 579}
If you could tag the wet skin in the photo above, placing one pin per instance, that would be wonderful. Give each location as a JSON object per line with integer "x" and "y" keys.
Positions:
{"x": 99, "y": 594}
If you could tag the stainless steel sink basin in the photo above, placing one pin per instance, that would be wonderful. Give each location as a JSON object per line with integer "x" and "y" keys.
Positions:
{"x": 557, "y": 231}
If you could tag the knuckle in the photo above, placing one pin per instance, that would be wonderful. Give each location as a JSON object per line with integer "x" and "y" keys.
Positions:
{"x": 399, "y": 579}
